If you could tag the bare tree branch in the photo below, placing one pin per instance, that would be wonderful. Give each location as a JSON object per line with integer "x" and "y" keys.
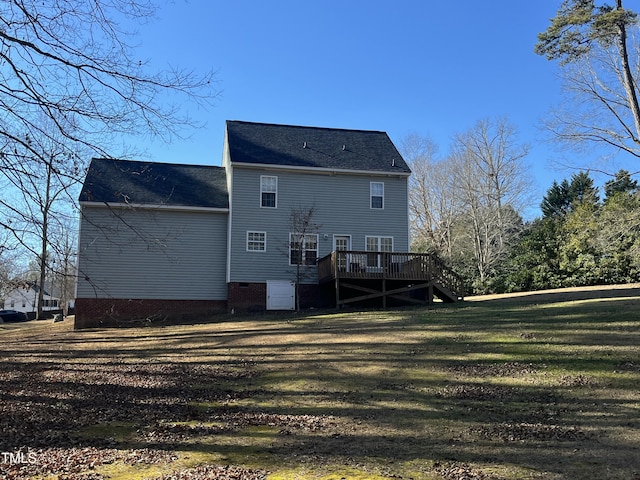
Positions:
{"x": 71, "y": 85}
{"x": 597, "y": 49}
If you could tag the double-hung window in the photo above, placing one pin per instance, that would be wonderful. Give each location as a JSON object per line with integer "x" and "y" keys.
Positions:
{"x": 377, "y": 194}
{"x": 256, "y": 241}
{"x": 377, "y": 245}
{"x": 268, "y": 191}
{"x": 303, "y": 249}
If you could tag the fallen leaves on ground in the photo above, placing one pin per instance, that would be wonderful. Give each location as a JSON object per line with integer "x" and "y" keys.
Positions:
{"x": 214, "y": 472}
{"x": 460, "y": 471}
{"x": 71, "y": 462}
{"x": 505, "y": 369}
{"x": 47, "y": 408}
{"x": 520, "y": 432}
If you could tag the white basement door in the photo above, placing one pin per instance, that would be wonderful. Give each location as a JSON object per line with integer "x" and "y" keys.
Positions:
{"x": 281, "y": 295}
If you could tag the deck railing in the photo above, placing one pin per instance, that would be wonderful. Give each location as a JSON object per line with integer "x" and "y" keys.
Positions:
{"x": 389, "y": 266}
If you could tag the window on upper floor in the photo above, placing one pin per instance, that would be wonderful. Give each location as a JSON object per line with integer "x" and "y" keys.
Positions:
{"x": 268, "y": 191}
{"x": 377, "y": 194}
{"x": 256, "y": 241}
{"x": 303, "y": 249}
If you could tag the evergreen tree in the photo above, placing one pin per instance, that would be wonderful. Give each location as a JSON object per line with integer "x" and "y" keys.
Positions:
{"x": 622, "y": 183}
{"x": 562, "y": 198}
{"x": 557, "y": 201}
{"x": 579, "y": 241}
{"x": 579, "y": 256}
{"x": 618, "y": 238}
{"x": 582, "y": 190}
{"x": 534, "y": 262}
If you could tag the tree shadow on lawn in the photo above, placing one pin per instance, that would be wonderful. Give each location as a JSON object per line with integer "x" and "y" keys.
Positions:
{"x": 464, "y": 421}
{"x": 513, "y": 403}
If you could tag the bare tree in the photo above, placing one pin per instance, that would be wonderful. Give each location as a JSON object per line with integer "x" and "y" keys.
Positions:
{"x": 73, "y": 64}
{"x": 491, "y": 181}
{"x": 600, "y": 63}
{"x": 303, "y": 243}
{"x": 8, "y": 264}
{"x": 433, "y": 205}
{"x": 63, "y": 267}
{"x": 43, "y": 199}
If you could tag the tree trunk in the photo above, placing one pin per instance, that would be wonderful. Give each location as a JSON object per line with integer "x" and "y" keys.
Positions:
{"x": 46, "y": 205}
{"x": 627, "y": 76}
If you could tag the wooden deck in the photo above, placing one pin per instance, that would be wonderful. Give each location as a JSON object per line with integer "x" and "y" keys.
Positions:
{"x": 404, "y": 277}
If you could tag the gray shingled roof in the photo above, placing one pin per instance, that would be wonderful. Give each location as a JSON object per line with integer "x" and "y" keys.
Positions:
{"x": 314, "y": 147}
{"x": 125, "y": 181}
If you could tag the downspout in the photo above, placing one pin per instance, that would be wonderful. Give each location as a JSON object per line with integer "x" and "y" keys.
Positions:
{"x": 406, "y": 184}
{"x": 226, "y": 162}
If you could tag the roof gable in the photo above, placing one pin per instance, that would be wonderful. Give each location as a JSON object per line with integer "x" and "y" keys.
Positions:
{"x": 24, "y": 288}
{"x": 133, "y": 182}
{"x": 313, "y": 147}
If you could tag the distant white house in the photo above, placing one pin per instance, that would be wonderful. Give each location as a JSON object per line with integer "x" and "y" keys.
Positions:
{"x": 24, "y": 298}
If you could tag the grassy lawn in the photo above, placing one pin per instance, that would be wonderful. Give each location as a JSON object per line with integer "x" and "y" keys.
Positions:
{"x": 530, "y": 387}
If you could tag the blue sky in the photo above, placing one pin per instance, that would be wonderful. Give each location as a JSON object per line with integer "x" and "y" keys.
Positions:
{"x": 434, "y": 68}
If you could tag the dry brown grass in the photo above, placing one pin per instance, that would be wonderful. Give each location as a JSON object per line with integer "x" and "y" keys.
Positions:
{"x": 540, "y": 386}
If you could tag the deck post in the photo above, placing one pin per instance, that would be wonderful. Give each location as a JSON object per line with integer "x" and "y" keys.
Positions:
{"x": 384, "y": 293}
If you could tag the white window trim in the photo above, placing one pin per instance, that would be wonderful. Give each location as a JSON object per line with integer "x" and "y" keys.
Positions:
{"x": 304, "y": 249}
{"x": 247, "y": 242}
{"x": 371, "y": 195}
{"x": 379, "y": 238}
{"x": 262, "y": 191}
{"x": 345, "y": 236}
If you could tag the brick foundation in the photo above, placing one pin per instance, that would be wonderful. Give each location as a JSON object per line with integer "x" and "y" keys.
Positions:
{"x": 252, "y": 297}
{"x": 247, "y": 297}
{"x": 104, "y": 312}
{"x": 243, "y": 298}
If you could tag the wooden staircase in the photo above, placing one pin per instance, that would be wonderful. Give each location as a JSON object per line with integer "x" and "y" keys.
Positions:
{"x": 444, "y": 294}
{"x": 447, "y": 285}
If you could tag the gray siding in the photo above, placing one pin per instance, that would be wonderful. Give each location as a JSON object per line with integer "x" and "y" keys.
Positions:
{"x": 152, "y": 254}
{"x": 342, "y": 205}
